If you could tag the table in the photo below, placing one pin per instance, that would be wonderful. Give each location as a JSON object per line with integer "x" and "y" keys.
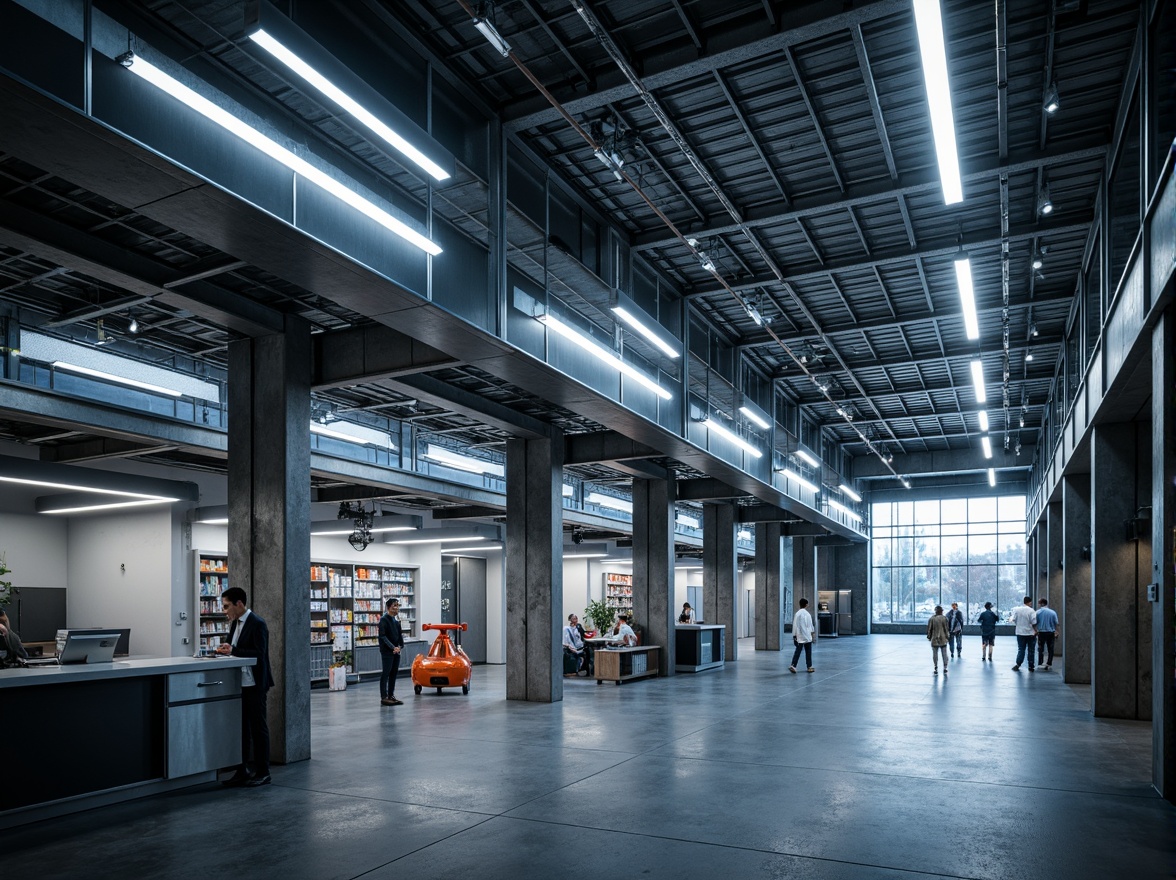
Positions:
{"x": 626, "y": 664}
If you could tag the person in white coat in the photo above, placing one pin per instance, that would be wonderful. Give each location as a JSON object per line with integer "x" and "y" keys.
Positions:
{"x": 802, "y": 636}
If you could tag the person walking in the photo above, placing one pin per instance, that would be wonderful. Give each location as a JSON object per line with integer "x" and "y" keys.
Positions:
{"x": 391, "y": 644}
{"x": 802, "y": 636}
{"x": 987, "y": 620}
{"x": 939, "y": 635}
{"x": 955, "y": 630}
{"x": 1047, "y": 631}
{"x": 1025, "y": 619}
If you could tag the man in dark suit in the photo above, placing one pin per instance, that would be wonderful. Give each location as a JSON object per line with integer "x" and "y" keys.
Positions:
{"x": 249, "y": 637}
{"x": 391, "y": 644}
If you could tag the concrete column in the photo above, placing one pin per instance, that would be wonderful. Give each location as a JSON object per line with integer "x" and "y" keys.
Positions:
{"x": 1163, "y": 573}
{"x": 804, "y": 576}
{"x": 769, "y": 584}
{"x": 534, "y": 569}
{"x": 1076, "y": 576}
{"x": 653, "y": 566}
{"x": 720, "y": 571}
{"x": 269, "y": 515}
{"x": 850, "y": 571}
{"x": 1120, "y": 682}
{"x": 1051, "y": 563}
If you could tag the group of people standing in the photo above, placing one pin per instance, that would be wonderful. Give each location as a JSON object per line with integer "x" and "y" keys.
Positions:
{"x": 1035, "y": 630}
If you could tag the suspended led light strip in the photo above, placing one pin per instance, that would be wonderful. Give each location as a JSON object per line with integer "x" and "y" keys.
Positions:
{"x": 272, "y": 45}
{"x": 689, "y": 522}
{"x": 978, "y": 381}
{"x": 585, "y": 555}
{"x": 837, "y": 505}
{"x": 807, "y": 458}
{"x": 929, "y": 22}
{"x": 603, "y": 354}
{"x": 992, "y": 476}
{"x": 485, "y": 547}
{"x": 798, "y": 479}
{"x": 963, "y": 270}
{"x": 437, "y": 540}
{"x": 727, "y": 434}
{"x": 353, "y": 433}
{"x": 755, "y": 417}
{"x": 986, "y": 444}
{"x": 618, "y": 561}
{"x": 111, "y": 377}
{"x": 49, "y": 484}
{"x": 374, "y": 530}
{"x": 645, "y": 330}
{"x": 142, "y": 502}
{"x": 449, "y": 459}
{"x": 611, "y": 501}
{"x": 152, "y": 74}
{"x": 983, "y": 415}
{"x": 845, "y": 490}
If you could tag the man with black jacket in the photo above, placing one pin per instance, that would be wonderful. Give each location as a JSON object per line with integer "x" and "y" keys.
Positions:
{"x": 249, "y": 637}
{"x": 391, "y": 643}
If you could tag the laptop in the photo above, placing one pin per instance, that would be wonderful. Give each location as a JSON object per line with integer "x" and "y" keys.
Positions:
{"x": 89, "y": 647}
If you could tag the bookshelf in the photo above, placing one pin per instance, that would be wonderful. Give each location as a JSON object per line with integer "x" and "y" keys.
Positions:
{"x": 618, "y": 591}
{"x": 212, "y": 579}
{"x": 347, "y": 602}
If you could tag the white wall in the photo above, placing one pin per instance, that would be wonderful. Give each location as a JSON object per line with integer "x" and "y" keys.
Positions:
{"x": 34, "y": 547}
{"x": 120, "y": 574}
{"x": 496, "y": 607}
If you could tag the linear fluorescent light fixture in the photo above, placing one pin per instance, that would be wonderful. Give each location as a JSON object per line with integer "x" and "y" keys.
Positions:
{"x": 446, "y": 458}
{"x": 281, "y": 52}
{"x": 837, "y": 505}
{"x": 437, "y": 539}
{"x": 44, "y": 505}
{"x": 487, "y": 30}
{"x": 983, "y": 415}
{"x": 992, "y": 476}
{"x": 848, "y": 492}
{"x": 727, "y": 434}
{"x": 963, "y": 270}
{"x": 50, "y": 484}
{"x": 585, "y": 555}
{"x": 799, "y": 480}
{"x": 230, "y": 123}
{"x": 353, "y": 433}
{"x": 610, "y": 501}
{"x": 601, "y": 353}
{"x": 929, "y": 22}
{"x": 754, "y": 417}
{"x": 807, "y": 458}
{"x": 978, "y": 381}
{"x": 111, "y": 377}
{"x": 484, "y": 548}
{"x": 986, "y": 445}
{"x": 645, "y": 330}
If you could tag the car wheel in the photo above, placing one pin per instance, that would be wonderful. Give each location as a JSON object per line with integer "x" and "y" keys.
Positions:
{"x": 438, "y": 690}
{"x": 465, "y": 688}
{"x": 416, "y": 689}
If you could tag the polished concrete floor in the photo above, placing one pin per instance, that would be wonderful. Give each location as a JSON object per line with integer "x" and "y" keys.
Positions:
{"x": 868, "y": 768}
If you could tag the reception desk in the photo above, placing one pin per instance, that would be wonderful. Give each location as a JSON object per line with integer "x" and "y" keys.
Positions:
{"x": 79, "y": 736}
{"x": 699, "y": 646}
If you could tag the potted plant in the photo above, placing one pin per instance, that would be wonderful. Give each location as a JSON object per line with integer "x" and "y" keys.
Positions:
{"x": 5, "y": 586}
{"x": 601, "y": 615}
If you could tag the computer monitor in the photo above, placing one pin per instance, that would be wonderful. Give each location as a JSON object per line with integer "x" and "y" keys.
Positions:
{"x": 124, "y": 637}
{"x": 89, "y": 647}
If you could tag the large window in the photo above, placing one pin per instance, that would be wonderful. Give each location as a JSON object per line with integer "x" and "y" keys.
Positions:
{"x": 928, "y": 553}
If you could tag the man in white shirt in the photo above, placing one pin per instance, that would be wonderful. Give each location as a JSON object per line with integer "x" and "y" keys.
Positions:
{"x": 623, "y": 635}
{"x": 802, "y": 636}
{"x": 1025, "y": 619}
{"x": 573, "y": 644}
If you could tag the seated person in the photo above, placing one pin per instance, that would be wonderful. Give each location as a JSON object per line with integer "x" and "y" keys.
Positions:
{"x": 14, "y": 652}
{"x": 687, "y": 615}
{"x": 622, "y": 634}
{"x": 573, "y": 643}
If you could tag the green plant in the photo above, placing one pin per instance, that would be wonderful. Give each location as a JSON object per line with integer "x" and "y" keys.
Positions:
{"x": 342, "y": 658}
{"x": 600, "y": 614}
{"x": 5, "y": 586}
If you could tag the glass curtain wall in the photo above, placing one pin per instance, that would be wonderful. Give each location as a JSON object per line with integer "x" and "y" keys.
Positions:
{"x": 928, "y": 553}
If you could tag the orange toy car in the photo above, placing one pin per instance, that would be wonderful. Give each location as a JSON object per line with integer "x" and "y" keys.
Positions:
{"x": 447, "y": 665}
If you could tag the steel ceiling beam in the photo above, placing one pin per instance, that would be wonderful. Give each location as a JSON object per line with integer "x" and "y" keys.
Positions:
{"x": 780, "y": 213}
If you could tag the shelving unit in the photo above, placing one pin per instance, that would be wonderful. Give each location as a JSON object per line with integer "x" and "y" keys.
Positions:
{"x": 340, "y": 597}
{"x": 320, "y": 629}
{"x": 212, "y": 579}
{"x": 400, "y": 583}
{"x": 618, "y": 591}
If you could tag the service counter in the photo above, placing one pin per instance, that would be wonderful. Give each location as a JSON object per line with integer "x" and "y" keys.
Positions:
{"x": 699, "y": 646}
{"x": 80, "y": 736}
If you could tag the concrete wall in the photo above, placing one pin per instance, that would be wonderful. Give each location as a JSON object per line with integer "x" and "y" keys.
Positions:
{"x": 34, "y": 547}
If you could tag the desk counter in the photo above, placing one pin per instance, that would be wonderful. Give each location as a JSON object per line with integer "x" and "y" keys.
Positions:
{"x": 79, "y": 736}
{"x": 699, "y": 646}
